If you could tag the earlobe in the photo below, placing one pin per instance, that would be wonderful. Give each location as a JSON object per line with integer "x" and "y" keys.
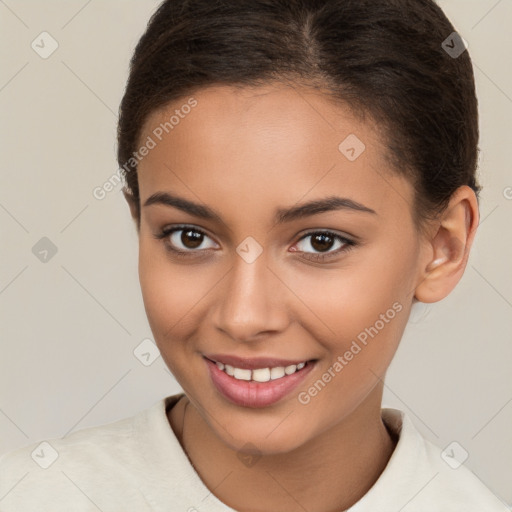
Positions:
{"x": 449, "y": 247}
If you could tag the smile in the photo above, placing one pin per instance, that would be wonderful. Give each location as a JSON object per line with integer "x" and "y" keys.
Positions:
{"x": 258, "y": 382}
{"x": 260, "y": 374}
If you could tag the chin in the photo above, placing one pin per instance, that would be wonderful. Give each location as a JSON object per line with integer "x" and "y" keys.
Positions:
{"x": 270, "y": 436}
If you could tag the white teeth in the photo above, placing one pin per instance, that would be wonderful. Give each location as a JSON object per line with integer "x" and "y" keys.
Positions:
{"x": 290, "y": 369}
{"x": 242, "y": 374}
{"x": 260, "y": 374}
{"x": 277, "y": 372}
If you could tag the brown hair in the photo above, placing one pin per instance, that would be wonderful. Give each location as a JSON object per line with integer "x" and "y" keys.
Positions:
{"x": 384, "y": 58}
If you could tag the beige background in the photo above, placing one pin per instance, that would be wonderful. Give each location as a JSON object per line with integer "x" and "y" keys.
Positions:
{"x": 69, "y": 326}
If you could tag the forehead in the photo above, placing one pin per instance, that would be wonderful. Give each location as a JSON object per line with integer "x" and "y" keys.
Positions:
{"x": 266, "y": 145}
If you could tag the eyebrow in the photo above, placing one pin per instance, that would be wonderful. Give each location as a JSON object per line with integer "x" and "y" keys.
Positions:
{"x": 282, "y": 215}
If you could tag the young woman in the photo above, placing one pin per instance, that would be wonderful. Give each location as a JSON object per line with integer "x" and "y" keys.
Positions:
{"x": 300, "y": 172}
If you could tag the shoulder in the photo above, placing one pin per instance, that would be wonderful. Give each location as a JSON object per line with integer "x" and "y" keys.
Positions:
{"x": 455, "y": 482}
{"x": 421, "y": 477}
{"x": 102, "y": 441}
{"x": 83, "y": 468}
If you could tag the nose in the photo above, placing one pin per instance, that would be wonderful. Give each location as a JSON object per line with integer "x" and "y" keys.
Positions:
{"x": 251, "y": 304}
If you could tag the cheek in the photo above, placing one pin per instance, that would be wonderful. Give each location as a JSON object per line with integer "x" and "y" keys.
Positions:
{"x": 344, "y": 301}
{"x": 366, "y": 311}
{"x": 169, "y": 291}
{"x": 377, "y": 318}
{"x": 177, "y": 298}
{"x": 361, "y": 311}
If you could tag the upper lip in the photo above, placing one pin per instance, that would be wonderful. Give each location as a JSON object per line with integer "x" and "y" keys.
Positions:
{"x": 251, "y": 363}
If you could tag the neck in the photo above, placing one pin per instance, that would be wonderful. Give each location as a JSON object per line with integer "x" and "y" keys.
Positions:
{"x": 329, "y": 473}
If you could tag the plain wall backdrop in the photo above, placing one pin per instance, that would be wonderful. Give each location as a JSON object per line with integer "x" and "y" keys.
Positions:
{"x": 71, "y": 309}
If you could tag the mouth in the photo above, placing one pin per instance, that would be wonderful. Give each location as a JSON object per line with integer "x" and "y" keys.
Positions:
{"x": 260, "y": 374}
{"x": 258, "y": 382}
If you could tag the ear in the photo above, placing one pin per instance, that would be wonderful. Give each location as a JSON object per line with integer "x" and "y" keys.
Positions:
{"x": 134, "y": 207}
{"x": 448, "y": 247}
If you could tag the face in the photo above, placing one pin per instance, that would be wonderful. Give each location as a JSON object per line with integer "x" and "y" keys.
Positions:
{"x": 248, "y": 274}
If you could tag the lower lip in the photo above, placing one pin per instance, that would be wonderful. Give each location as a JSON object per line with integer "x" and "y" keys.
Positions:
{"x": 256, "y": 394}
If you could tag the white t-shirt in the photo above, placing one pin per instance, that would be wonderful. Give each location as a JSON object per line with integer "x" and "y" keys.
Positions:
{"x": 137, "y": 464}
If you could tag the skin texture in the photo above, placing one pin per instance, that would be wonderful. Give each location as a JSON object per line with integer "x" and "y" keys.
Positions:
{"x": 245, "y": 153}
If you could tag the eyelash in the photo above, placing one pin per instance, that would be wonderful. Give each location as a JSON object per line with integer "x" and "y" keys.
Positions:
{"x": 348, "y": 244}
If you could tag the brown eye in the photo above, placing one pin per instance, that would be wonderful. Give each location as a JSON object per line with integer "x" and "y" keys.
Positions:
{"x": 191, "y": 239}
{"x": 186, "y": 239}
{"x": 321, "y": 243}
